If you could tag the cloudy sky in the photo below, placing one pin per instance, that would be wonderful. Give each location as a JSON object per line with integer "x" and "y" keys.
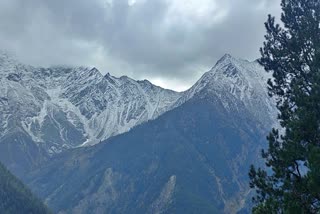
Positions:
{"x": 169, "y": 42}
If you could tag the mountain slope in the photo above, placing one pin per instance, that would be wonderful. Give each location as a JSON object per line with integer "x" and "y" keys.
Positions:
{"x": 78, "y": 105}
{"x": 241, "y": 86}
{"x": 192, "y": 159}
{"x": 16, "y": 198}
{"x": 60, "y": 108}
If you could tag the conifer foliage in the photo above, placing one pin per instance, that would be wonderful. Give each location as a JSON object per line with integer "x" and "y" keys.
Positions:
{"x": 291, "y": 181}
{"x": 15, "y": 198}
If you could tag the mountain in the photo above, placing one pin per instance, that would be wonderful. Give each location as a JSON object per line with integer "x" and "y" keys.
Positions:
{"x": 192, "y": 159}
{"x": 16, "y": 198}
{"x": 241, "y": 86}
{"x": 44, "y": 111}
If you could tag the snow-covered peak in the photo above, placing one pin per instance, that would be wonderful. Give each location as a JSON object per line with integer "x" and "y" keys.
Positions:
{"x": 234, "y": 74}
{"x": 63, "y": 107}
{"x": 225, "y": 58}
{"x": 238, "y": 84}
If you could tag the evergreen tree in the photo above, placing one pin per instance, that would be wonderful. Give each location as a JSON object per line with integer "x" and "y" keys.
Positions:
{"x": 291, "y": 181}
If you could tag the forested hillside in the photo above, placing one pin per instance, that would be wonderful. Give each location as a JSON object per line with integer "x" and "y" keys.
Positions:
{"x": 15, "y": 197}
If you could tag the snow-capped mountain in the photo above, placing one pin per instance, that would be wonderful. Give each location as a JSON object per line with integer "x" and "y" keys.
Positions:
{"x": 194, "y": 155}
{"x": 240, "y": 85}
{"x": 192, "y": 159}
{"x": 66, "y": 107}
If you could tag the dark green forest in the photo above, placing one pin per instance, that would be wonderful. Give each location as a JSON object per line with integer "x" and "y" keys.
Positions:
{"x": 16, "y": 198}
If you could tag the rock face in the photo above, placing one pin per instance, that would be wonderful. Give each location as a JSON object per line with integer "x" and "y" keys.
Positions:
{"x": 192, "y": 159}
{"x": 60, "y": 108}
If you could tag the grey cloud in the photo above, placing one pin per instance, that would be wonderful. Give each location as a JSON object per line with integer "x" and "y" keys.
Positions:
{"x": 143, "y": 41}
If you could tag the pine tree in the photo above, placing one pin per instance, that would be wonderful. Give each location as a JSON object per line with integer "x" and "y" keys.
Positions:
{"x": 291, "y": 181}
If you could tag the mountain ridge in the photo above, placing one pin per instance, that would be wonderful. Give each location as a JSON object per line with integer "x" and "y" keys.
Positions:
{"x": 160, "y": 151}
{"x": 192, "y": 158}
{"x": 45, "y": 111}
{"x": 84, "y": 92}
{"x": 241, "y": 82}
